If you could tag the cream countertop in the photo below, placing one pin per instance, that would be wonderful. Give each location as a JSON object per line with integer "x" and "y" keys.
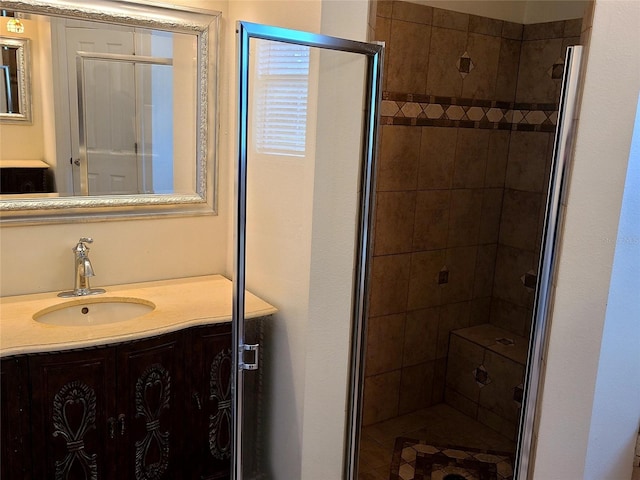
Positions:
{"x": 179, "y": 303}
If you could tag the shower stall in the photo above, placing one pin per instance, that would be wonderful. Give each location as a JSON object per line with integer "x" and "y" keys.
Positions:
{"x": 469, "y": 114}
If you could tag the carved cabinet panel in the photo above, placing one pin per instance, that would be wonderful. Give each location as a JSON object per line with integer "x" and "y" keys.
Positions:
{"x": 151, "y": 408}
{"x": 210, "y": 421}
{"x": 73, "y": 395}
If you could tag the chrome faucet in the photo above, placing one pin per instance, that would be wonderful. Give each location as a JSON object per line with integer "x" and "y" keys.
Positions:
{"x": 83, "y": 270}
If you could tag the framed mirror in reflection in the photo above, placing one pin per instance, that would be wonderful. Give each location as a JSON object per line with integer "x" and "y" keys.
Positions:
{"x": 124, "y": 112}
{"x": 15, "y": 95}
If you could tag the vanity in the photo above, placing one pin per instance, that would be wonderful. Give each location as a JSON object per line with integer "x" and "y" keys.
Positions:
{"x": 147, "y": 397}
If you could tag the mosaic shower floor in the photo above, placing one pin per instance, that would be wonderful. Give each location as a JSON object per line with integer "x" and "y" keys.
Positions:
{"x": 438, "y": 425}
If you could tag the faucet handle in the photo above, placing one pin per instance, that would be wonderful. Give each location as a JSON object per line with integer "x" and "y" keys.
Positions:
{"x": 85, "y": 240}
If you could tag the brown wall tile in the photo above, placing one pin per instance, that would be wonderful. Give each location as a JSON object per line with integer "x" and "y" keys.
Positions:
{"x": 398, "y": 159}
{"x": 385, "y": 339}
{"x": 416, "y": 387}
{"x": 520, "y": 217}
{"x": 443, "y": 77}
{"x": 437, "y": 156}
{"x": 527, "y": 161}
{"x": 541, "y": 31}
{"x": 439, "y": 380}
{"x": 511, "y": 265}
{"x": 510, "y": 316}
{"x": 395, "y": 215}
{"x": 534, "y": 82}
{"x": 461, "y": 263}
{"x": 572, "y": 28}
{"x": 484, "y": 51}
{"x": 431, "y": 220}
{"x": 512, "y": 30}
{"x": 384, "y": 8}
{"x": 497, "y": 397}
{"x": 465, "y": 217}
{"x": 485, "y": 25}
{"x": 450, "y": 19}
{"x": 497, "y": 423}
{"x": 471, "y": 158}
{"x": 408, "y": 57}
{"x": 464, "y": 357}
{"x": 389, "y": 284}
{"x": 480, "y": 310}
{"x": 424, "y": 290}
{"x": 420, "y": 336}
{"x": 508, "y": 66}
{"x": 453, "y": 316}
{"x": 485, "y": 266}
{"x": 460, "y": 403}
{"x": 412, "y": 12}
{"x": 381, "y": 397}
{"x": 490, "y": 217}
{"x": 497, "y": 158}
{"x": 383, "y": 34}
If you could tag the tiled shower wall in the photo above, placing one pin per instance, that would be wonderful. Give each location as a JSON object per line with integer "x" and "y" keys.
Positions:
{"x": 469, "y": 109}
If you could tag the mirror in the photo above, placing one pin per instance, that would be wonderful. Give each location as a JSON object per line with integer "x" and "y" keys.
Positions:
{"x": 15, "y": 97}
{"x": 124, "y": 114}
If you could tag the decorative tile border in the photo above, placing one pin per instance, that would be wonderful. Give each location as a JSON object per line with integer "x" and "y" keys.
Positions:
{"x": 428, "y": 110}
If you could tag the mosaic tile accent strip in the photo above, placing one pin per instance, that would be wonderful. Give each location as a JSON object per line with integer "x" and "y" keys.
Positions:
{"x": 417, "y": 460}
{"x": 429, "y": 110}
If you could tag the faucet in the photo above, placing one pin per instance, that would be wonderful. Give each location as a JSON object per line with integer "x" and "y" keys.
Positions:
{"x": 83, "y": 270}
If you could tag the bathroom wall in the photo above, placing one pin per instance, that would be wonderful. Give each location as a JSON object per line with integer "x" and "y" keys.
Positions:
{"x": 579, "y": 356}
{"x": 468, "y": 115}
{"x": 38, "y": 258}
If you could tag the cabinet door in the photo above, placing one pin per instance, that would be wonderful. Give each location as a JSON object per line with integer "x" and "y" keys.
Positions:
{"x": 209, "y": 363}
{"x": 150, "y": 409}
{"x": 72, "y": 401}
{"x": 15, "y": 444}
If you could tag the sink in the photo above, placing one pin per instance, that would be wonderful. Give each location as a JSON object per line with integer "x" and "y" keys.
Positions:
{"x": 94, "y": 311}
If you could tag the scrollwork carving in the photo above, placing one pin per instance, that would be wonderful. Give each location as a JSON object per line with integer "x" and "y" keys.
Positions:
{"x": 75, "y": 394}
{"x": 220, "y": 390}
{"x": 156, "y": 376}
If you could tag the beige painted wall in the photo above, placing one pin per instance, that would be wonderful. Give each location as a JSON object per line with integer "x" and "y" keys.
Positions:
{"x": 605, "y": 126}
{"x": 39, "y": 259}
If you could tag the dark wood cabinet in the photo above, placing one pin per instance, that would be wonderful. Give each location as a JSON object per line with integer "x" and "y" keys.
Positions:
{"x": 151, "y": 409}
{"x": 209, "y": 418}
{"x": 73, "y": 394}
{"x": 15, "y": 458}
{"x": 24, "y": 180}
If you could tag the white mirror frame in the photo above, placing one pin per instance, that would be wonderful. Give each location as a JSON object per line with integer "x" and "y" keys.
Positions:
{"x": 204, "y": 24}
{"x": 23, "y": 61}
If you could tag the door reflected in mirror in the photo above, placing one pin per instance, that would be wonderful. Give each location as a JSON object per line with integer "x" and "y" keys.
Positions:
{"x": 124, "y": 112}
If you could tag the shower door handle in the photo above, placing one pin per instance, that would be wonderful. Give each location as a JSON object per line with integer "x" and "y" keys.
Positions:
{"x": 242, "y": 365}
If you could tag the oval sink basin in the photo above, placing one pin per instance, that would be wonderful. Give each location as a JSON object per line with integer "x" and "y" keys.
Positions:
{"x": 85, "y": 312}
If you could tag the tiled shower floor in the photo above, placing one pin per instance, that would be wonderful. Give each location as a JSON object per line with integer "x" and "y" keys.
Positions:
{"x": 439, "y": 425}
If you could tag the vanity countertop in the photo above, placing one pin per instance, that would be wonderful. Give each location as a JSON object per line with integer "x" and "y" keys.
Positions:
{"x": 180, "y": 303}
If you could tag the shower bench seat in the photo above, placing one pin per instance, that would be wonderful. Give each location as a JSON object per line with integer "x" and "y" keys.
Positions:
{"x": 485, "y": 373}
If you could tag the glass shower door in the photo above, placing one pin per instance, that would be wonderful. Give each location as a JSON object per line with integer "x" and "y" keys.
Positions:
{"x": 307, "y": 122}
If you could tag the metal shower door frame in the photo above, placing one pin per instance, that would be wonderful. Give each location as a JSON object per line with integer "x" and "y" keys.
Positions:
{"x": 245, "y": 31}
{"x": 562, "y": 150}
